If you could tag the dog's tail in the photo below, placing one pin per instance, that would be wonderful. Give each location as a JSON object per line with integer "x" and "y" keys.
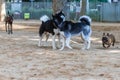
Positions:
{"x": 44, "y": 18}
{"x": 85, "y": 19}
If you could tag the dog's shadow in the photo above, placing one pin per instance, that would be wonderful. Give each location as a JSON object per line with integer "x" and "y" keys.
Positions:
{"x": 44, "y": 47}
{"x": 110, "y": 48}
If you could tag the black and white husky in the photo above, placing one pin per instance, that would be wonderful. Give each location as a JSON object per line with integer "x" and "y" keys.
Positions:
{"x": 69, "y": 29}
{"x": 48, "y": 27}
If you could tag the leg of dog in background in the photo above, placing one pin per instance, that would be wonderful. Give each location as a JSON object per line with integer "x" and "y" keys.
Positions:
{"x": 6, "y": 28}
{"x": 8, "y": 23}
{"x": 113, "y": 40}
{"x": 10, "y": 28}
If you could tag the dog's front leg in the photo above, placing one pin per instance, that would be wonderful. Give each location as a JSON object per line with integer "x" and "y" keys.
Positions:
{"x": 11, "y": 29}
{"x": 6, "y": 26}
{"x": 40, "y": 41}
{"x": 53, "y": 42}
{"x": 63, "y": 42}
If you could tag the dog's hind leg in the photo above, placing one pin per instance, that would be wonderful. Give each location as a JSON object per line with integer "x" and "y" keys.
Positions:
{"x": 53, "y": 42}
{"x": 59, "y": 41}
{"x": 84, "y": 46}
{"x": 113, "y": 41}
{"x": 6, "y": 26}
{"x": 11, "y": 28}
{"x": 86, "y": 41}
{"x": 47, "y": 36}
{"x": 11, "y": 31}
{"x": 88, "y": 44}
{"x": 68, "y": 42}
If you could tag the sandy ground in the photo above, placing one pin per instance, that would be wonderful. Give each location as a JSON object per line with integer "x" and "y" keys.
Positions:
{"x": 22, "y": 59}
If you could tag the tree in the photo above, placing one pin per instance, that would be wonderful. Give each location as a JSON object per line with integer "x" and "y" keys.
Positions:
{"x": 83, "y": 7}
{"x": 59, "y": 5}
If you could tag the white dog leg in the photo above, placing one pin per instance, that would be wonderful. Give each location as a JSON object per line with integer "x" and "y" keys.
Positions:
{"x": 88, "y": 44}
{"x": 59, "y": 45}
{"x": 85, "y": 41}
{"x": 40, "y": 40}
{"x": 68, "y": 43}
{"x": 84, "y": 46}
{"x": 63, "y": 42}
{"x": 53, "y": 42}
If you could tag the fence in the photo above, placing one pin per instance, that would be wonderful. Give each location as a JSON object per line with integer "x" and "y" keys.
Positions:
{"x": 105, "y": 12}
{"x": 97, "y": 10}
{"x": 110, "y": 12}
{"x": 35, "y": 9}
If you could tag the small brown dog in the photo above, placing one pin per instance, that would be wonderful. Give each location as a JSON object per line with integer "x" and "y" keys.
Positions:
{"x": 108, "y": 40}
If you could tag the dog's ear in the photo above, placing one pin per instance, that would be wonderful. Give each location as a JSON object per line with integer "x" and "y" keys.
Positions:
{"x": 61, "y": 12}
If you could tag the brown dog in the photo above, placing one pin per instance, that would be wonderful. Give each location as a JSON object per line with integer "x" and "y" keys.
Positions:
{"x": 108, "y": 40}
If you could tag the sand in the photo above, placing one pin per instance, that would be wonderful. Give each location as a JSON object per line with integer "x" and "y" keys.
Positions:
{"x": 22, "y": 59}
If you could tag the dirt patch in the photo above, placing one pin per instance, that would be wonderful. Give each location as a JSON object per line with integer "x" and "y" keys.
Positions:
{"x": 22, "y": 59}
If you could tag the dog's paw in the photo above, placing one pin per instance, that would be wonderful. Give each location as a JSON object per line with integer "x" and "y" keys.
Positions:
{"x": 83, "y": 48}
{"x": 39, "y": 45}
{"x": 61, "y": 49}
{"x": 69, "y": 47}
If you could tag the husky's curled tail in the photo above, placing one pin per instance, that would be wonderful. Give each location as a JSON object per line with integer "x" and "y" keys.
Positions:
{"x": 85, "y": 19}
